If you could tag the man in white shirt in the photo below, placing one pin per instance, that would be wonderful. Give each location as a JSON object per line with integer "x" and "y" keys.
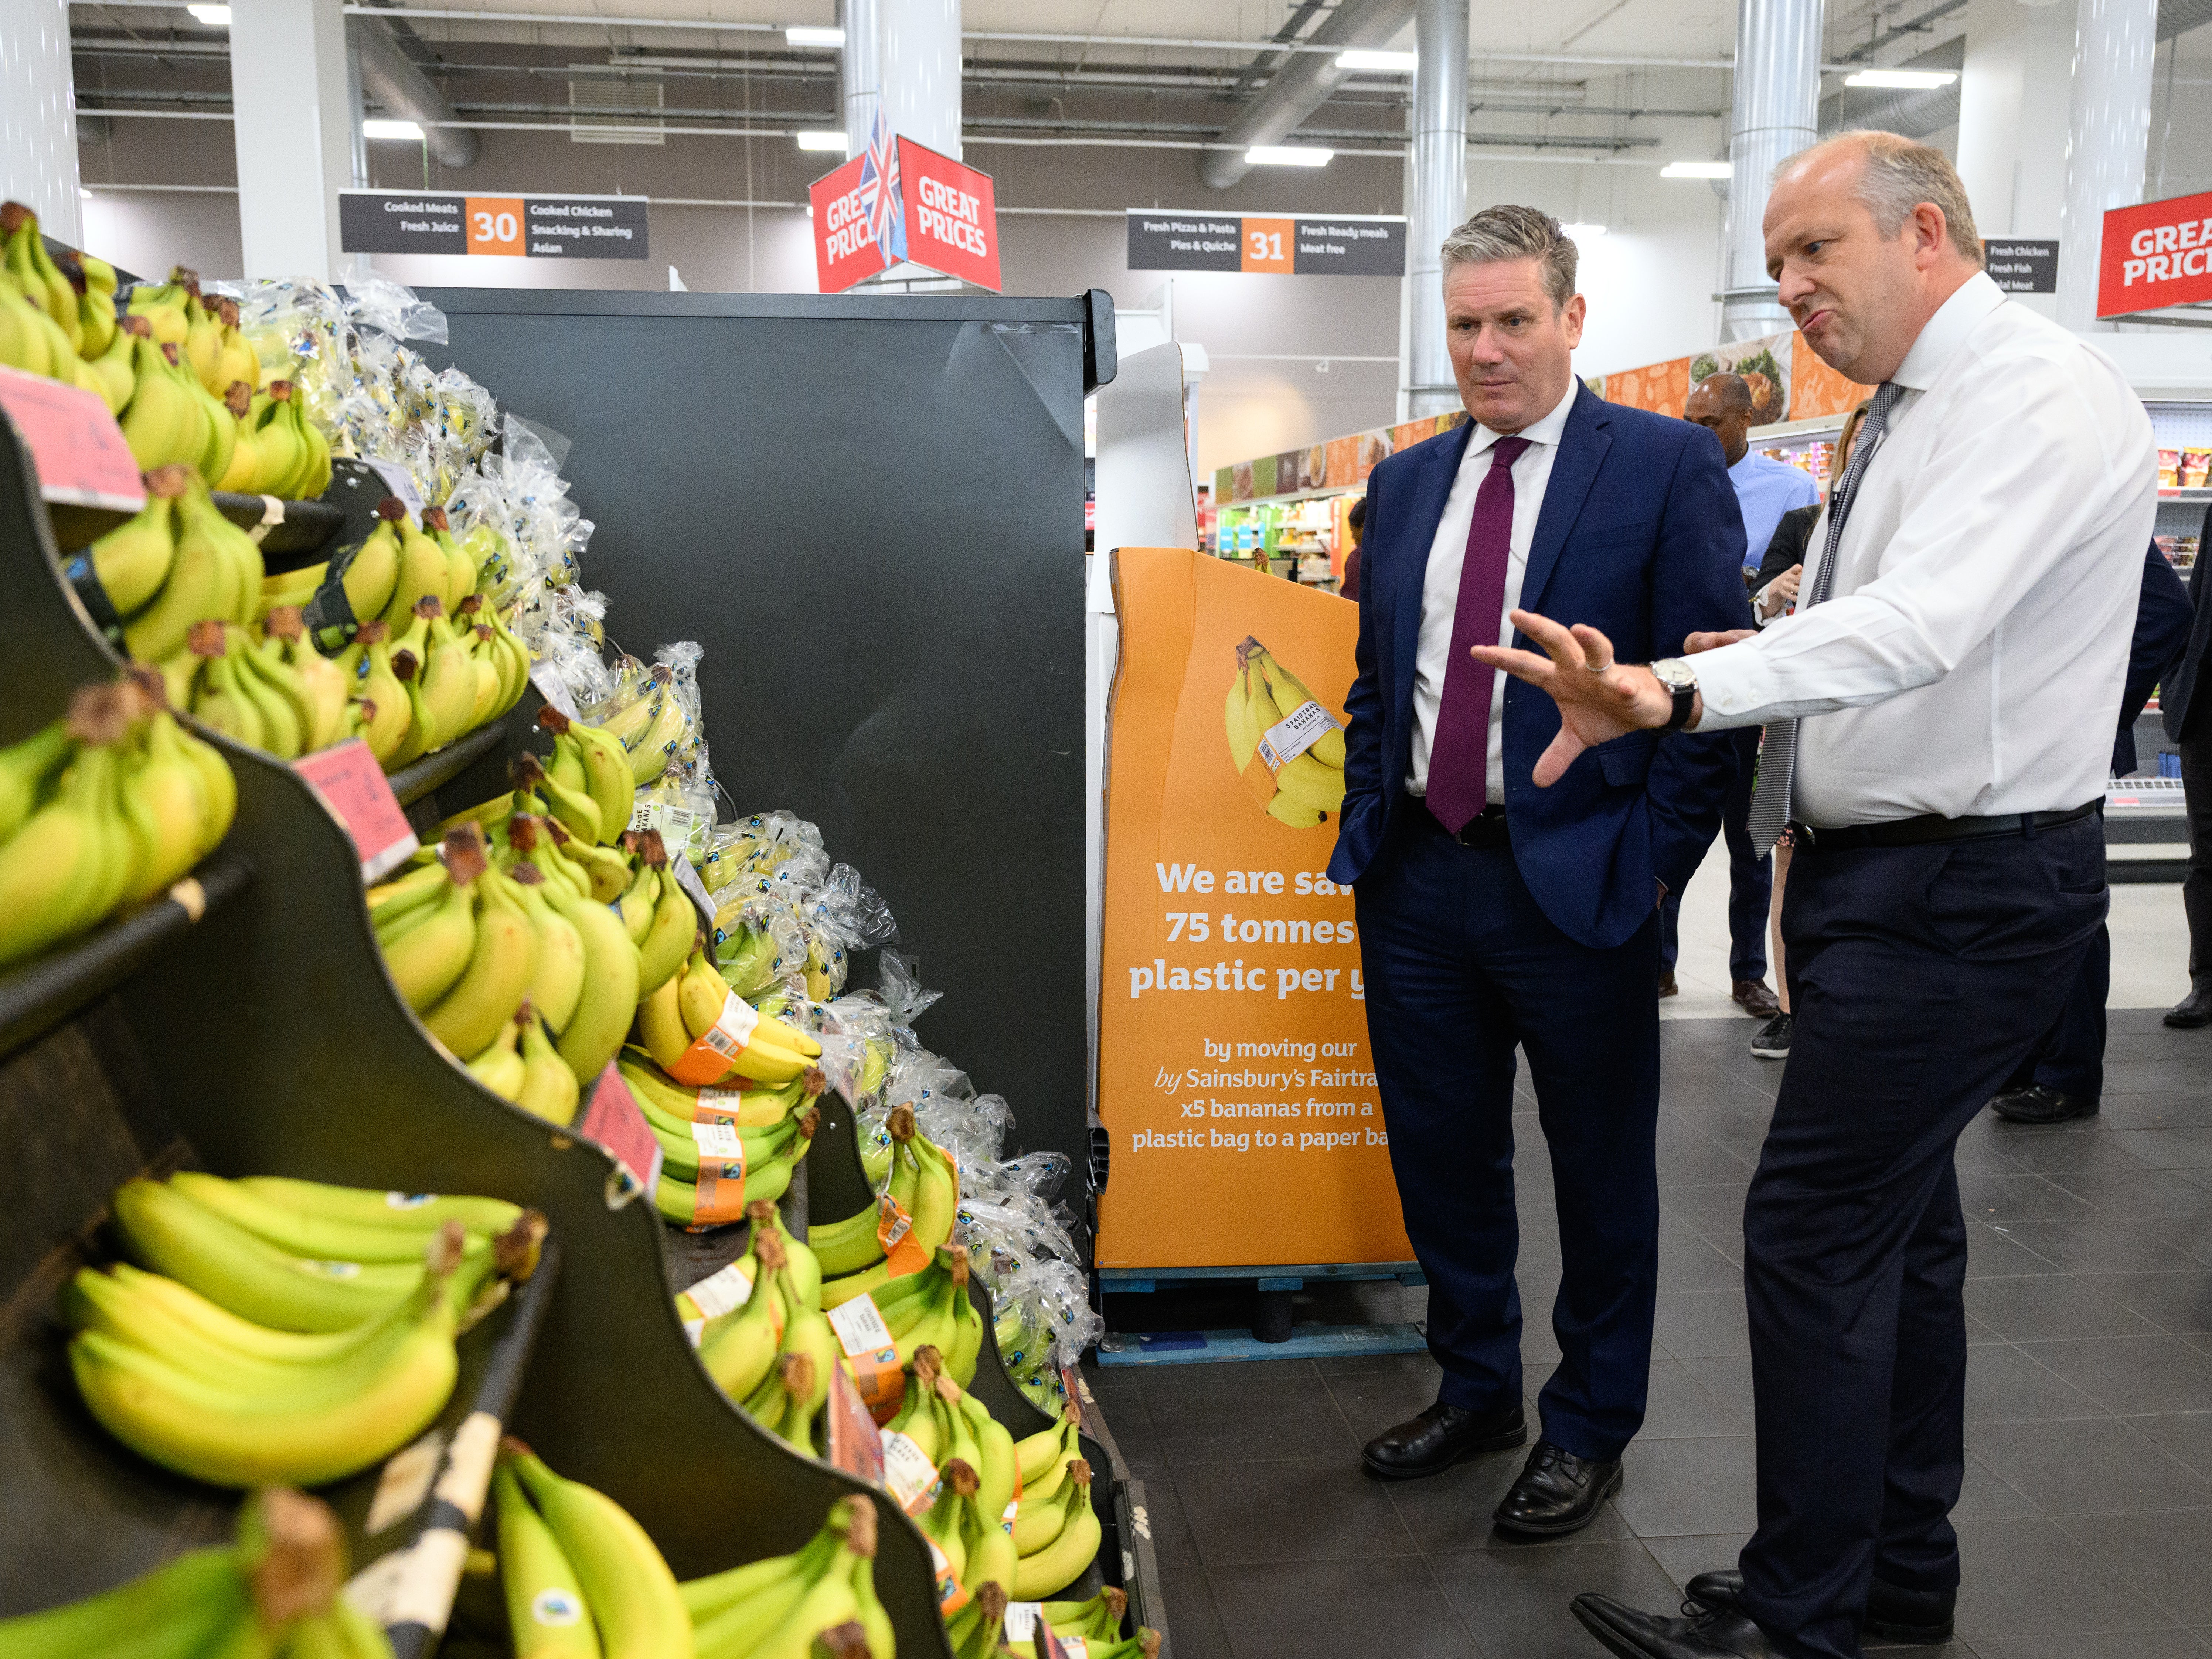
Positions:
{"x": 1939, "y": 712}
{"x": 1495, "y": 916}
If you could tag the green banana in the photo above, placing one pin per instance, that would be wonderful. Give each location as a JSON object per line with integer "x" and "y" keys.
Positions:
{"x": 547, "y": 1615}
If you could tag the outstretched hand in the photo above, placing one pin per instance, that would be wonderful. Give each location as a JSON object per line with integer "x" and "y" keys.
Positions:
{"x": 1598, "y": 698}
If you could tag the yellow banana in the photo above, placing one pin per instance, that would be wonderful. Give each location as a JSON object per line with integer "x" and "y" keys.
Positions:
{"x": 632, "y": 1593}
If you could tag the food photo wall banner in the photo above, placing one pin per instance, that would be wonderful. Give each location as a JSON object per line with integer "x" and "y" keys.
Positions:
{"x": 1279, "y": 244}
{"x": 901, "y": 203}
{"x": 512, "y": 227}
{"x": 1234, "y": 1072}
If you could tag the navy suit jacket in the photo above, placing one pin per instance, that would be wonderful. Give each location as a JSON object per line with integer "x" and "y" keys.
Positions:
{"x": 1640, "y": 537}
{"x": 2161, "y": 635}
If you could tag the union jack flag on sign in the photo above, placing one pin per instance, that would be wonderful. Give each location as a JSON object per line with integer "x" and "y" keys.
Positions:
{"x": 880, "y": 198}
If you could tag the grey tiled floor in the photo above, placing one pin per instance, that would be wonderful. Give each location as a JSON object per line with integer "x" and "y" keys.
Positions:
{"x": 2086, "y": 1522}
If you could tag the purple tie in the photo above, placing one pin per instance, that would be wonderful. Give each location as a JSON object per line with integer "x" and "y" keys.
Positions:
{"x": 1459, "y": 757}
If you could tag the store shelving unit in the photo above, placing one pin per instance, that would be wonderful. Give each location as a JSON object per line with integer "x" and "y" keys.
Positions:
{"x": 267, "y": 1038}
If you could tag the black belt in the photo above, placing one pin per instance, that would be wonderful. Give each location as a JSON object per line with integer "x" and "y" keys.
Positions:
{"x": 1486, "y": 829}
{"x": 1924, "y": 831}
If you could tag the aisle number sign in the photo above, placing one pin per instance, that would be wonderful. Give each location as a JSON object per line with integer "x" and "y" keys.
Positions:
{"x": 902, "y": 202}
{"x": 1341, "y": 244}
{"x": 509, "y": 227}
{"x": 1235, "y": 1076}
{"x": 2155, "y": 255}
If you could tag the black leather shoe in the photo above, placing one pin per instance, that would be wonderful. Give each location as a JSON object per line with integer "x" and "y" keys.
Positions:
{"x": 1632, "y": 1633}
{"x": 1893, "y": 1613}
{"x": 2037, "y": 1104}
{"x": 2193, "y": 1009}
{"x": 1558, "y": 1492}
{"x": 1439, "y": 1437}
{"x": 1666, "y": 985}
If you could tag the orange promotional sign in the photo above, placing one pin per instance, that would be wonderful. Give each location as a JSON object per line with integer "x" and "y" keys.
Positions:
{"x": 1234, "y": 1072}
{"x": 494, "y": 224}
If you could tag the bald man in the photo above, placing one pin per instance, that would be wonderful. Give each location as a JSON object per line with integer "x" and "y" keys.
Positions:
{"x": 1765, "y": 488}
{"x": 1936, "y": 709}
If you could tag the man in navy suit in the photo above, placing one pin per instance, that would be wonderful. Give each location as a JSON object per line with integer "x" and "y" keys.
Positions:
{"x": 1493, "y": 915}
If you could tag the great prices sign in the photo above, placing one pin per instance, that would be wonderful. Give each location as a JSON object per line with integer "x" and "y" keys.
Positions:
{"x": 2156, "y": 255}
{"x": 902, "y": 200}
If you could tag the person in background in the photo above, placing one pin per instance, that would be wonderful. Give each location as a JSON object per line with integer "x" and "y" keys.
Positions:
{"x": 1496, "y": 916}
{"x": 1765, "y": 490}
{"x": 1773, "y": 593}
{"x": 1355, "y": 522}
{"x": 2182, "y": 712}
{"x": 2064, "y": 1077}
{"x": 1937, "y": 711}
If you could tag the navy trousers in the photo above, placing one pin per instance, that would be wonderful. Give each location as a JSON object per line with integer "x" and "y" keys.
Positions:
{"x": 1751, "y": 878}
{"x": 1461, "y": 966}
{"x": 1920, "y": 976}
{"x": 2070, "y": 1057}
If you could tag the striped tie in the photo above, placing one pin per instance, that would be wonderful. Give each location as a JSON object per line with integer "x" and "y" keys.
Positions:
{"x": 1777, "y": 756}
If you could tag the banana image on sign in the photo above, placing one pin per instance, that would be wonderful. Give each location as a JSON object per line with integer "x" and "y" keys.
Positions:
{"x": 1288, "y": 748}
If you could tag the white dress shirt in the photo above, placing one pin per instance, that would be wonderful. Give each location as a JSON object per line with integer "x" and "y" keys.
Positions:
{"x": 1440, "y": 589}
{"x": 1970, "y": 661}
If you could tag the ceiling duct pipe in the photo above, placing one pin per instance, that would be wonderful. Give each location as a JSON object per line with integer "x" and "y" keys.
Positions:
{"x": 1906, "y": 113}
{"x": 1439, "y": 196}
{"x": 1775, "y": 113}
{"x": 390, "y": 76}
{"x": 1302, "y": 86}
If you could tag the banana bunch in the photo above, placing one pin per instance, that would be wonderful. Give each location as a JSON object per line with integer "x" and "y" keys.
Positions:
{"x": 275, "y": 693}
{"x": 696, "y": 1014}
{"x": 974, "y": 1630}
{"x": 690, "y": 1124}
{"x": 169, "y": 417}
{"x": 580, "y": 1577}
{"x": 107, "y": 806}
{"x": 923, "y": 1191}
{"x": 471, "y": 938}
{"x": 176, "y": 561}
{"x": 745, "y": 955}
{"x": 789, "y": 1398}
{"x": 977, "y": 1460}
{"x": 293, "y": 1335}
{"x": 1097, "y": 1624}
{"x": 930, "y": 1309}
{"x": 805, "y": 1280}
{"x": 820, "y": 1600}
{"x": 272, "y": 1594}
{"x": 1301, "y": 792}
{"x": 275, "y": 448}
{"x": 53, "y": 321}
{"x": 650, "y": 728}
{"x": 1044, "y": 1456}
{"x": 719, "y": 1182}
{"x": 1056, "y": 1532}
{"x": 589, "y": 781}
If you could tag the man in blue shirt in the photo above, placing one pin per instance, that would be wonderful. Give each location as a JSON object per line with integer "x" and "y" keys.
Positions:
{"x": 1764, "y": 490}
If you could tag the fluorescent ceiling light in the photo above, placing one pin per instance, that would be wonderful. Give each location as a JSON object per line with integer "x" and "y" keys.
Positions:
{"x": 213, "y": 16}
{"x": 377, "y": 129}
{"x": 822, "y": 138}
{"x": 1403, "y": 63}
{"x": 1584, "y": 232}
{"x": 810, "y": 35}
{"x": 1696, "y": 170}
{"x": 1918, "y": 80}
{"x": 1287, "y": 155}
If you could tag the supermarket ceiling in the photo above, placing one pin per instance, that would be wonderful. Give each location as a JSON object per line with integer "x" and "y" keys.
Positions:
{"x": 1590, "y": 80}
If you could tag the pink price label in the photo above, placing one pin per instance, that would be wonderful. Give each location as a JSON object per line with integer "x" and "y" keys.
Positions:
{"x": 614, "y": 1121}
{"x": 79, "y": 451}
{"x": 354, "y": 787}
{"x": 856, "y": 1445}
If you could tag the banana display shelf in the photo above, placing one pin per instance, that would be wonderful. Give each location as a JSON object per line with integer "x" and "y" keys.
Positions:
{"x": 267, "y": 1038}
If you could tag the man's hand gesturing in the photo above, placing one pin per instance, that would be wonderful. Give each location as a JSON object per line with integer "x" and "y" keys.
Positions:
{"x": 1598, "y": 698}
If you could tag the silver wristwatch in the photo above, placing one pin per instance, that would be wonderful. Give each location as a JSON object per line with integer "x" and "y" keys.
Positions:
{"x": 1675, "y": 674}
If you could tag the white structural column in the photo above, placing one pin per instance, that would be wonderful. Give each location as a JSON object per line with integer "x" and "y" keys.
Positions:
{"x": 2012, "y": 157}
{"x": 1438, "y": 195}
{"x": 289, "y": 90}
{"x": 903, "y": 56}
{"x": 1775, "y": 113}
{"x": 38, "y": 117}
{"x": 2115, "y": 42}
